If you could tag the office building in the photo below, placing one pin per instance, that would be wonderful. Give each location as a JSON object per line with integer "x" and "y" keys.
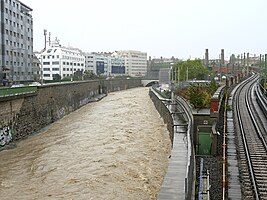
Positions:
{"x": 16, "y": 42}
{"x": 60, "y": 62}
{"x": 135, "y": 62}
{"x": 105, "y": 63}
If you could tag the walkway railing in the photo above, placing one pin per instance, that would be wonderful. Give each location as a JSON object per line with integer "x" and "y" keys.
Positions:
{"x": 7, "y": 92}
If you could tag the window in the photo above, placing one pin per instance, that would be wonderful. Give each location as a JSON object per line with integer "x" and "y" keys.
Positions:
{"x": 46, "y": 63}
{"x": 43, "y": 57}
{"x": 46, "y": 75}
{"x": 55, "y": 63}
{"x": 46, "y": 69}
{"x": 55, "y": 69}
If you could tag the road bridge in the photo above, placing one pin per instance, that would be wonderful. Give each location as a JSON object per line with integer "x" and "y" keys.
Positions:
{"x": 148, "y": 83}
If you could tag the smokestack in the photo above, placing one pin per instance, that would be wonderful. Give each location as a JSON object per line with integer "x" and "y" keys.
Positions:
{"x": 222, "y": 57}
{"x": 207, "y": 57}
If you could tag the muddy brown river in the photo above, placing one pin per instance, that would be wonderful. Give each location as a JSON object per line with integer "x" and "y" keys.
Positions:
{"x": 116, "y": 148}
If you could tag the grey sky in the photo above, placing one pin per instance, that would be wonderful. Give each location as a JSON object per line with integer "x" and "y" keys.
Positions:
{"x": 180, "y": 28}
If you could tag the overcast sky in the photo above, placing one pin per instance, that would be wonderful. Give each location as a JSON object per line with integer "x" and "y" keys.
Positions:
{"x": 180, "y": 28}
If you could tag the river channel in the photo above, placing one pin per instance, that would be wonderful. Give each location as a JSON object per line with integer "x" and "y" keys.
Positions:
{"x": 116, "y": 148}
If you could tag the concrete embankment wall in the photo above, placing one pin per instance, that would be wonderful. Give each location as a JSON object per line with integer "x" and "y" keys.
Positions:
{"x": 23, "y": 115}
{"x": 164, "y": 113}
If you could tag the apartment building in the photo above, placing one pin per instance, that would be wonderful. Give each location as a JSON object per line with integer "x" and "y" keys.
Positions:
{"x": 58, "y": 62}
{"x": 16, "y": 42}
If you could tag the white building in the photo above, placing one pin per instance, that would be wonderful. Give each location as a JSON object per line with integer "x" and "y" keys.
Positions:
{"x": 107, "y": 64}
{"x": 61, "y": 61}
{"x": 135, "y": 62}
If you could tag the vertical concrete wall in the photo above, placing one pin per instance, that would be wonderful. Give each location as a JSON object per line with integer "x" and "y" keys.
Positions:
{"x": 23, "y": 115}
{"x": 164, "y": 113}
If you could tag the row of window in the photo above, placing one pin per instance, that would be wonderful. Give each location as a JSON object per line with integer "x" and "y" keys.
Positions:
{"x": 64, "y": 57}
{"x": 72, "y": 58}
{"x": 64, "y": 63}
{"x": 17, "y": 54}
{"x": 18, "y": 35}
{"x": 71, "y": 52}
{"x": 17, "y": 15}
{"x": 48, "y": 57}
{"x": 23, "y": 73}
{"x": 64, "y": 69}
{"x": 16, "y": 63}
{"x": 17, "y": 25}
{"x": 53, "y": 75}
{"x": 14, "y": 3}
{"x": 18, "y": 45}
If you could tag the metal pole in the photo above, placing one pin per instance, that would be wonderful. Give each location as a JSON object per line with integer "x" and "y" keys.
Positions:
{"x": 12, "y": 59}
{"x": 42, "y": 71}
{"x": 260, "y": 68}
{"x": 187, "y": 73}
{"x": 178, "y": 76}
{"x": 265, "y": 73}
{"x": 247, "y": 63}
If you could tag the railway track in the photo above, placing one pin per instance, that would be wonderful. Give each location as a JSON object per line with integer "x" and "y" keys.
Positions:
{"x": 251, "y": 141}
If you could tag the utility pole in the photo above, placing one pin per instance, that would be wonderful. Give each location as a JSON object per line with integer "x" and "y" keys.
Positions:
{"x": 45, "y": 33}
{"x": 247, "y": 63}
{"x": 244, "y": 64}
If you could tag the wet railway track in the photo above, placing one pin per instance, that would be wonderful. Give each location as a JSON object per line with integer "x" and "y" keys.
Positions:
{"x": 250, "y": 124}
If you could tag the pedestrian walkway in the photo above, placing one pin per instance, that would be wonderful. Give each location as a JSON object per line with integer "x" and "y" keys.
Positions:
{"x": 173, "y": 186}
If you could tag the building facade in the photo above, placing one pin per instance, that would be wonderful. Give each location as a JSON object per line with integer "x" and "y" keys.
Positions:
{"x": 16, "y": 42}
{"x": 58, "y": 62}
{"x": 106, "y": 64}
{"x": 158, "y": 66}
{"x": 135, "y": 62}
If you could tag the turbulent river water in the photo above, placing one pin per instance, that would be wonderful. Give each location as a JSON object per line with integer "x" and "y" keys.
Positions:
{"x": 116, "y": 148}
